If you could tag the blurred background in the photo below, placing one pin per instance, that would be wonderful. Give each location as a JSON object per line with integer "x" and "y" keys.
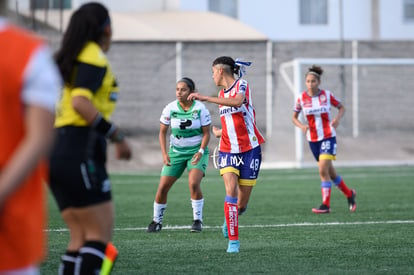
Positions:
{"x": 366, "y": 48}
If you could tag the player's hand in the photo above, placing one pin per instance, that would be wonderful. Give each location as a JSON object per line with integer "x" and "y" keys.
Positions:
{"x": 198, "y": 96}
{"x": 216, "y": 131}
{"x": 335, "y": 123}
{"x": 196, "y": 158}
{"x": 304, "y": 128}
{"x": 122, "y": 150}
{"x": 166, "y": 159}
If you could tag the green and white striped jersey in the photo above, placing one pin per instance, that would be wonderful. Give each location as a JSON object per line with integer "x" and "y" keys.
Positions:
{"x": 186, "y": 126}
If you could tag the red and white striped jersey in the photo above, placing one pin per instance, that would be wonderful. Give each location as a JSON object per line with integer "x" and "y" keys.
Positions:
{"x": 317, "y": 111}
{"x": 240, "y": 133}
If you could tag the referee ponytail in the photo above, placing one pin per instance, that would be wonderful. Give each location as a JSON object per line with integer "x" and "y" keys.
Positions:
{"x": 86, "y": 24}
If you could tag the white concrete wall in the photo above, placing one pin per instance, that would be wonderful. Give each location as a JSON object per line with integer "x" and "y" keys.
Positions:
{"x": 279, "y": 19}
{"x": 393, "y": 26}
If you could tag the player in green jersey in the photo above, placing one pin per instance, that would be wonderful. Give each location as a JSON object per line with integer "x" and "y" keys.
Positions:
{"x": 190, "y": 133}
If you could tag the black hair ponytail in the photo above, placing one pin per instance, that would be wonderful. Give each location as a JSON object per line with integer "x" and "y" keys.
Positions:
{"x": 86, "y": 24}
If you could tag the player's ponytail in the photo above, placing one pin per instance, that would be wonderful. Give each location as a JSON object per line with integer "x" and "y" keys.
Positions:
{"x": 237, "y": 67}
{"x": 316, "y": 71}
{"x": 86, "y": 24}
{"x": 189, "y": 82}
{"x": 241, "y": 66}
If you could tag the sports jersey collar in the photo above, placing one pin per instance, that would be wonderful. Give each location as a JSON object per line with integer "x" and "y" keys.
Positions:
{"x": 318, "y": 94}
{"x": 232, "y": 85}
{"x": 181, "y": 108}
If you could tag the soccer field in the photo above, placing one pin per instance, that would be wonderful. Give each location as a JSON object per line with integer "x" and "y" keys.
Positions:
{"x": 279, "y": 234}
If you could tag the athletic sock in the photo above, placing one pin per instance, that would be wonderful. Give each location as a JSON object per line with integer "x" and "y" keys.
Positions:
{"x": 242, "y": 210}
{"x": 339, "y": 182}
{"x": 232, "y": 219}
{"x": 67, "y": 264}
{"x": 197, "y": 206}
{"x": 111, "y": 254}
{"x": 159, "y": 209}
{"x": 91, "y": 256}
{"x": 326, "y": 192}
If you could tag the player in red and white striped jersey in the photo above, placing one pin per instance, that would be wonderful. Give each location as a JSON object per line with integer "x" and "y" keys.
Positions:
{"x": 240, "y": 133}
{"x": 240, "y": 152}
{"x": 320, "y": 131}
{"x": 318, "y": 113}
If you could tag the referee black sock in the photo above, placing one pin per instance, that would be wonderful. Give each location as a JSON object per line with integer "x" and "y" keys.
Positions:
{"x": 90, "y": 258}
{"x": 67, "y": 264}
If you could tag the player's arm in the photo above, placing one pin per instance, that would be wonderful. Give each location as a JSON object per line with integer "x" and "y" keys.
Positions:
{"x": 339, "y": 115}
{"x": 297, "y": 123}
{"x": 206, "y": 137}
{"x": 236, "y": 101}
{"x": 217, "y": 131}
{"x": 162, "y": 137}
{"x": 85, "y": 108}
{"x": 35, "y": 146}
{"x": 40, "y": 91}
{"x": 88, "y": 80}
{"x": 204, "y": 142}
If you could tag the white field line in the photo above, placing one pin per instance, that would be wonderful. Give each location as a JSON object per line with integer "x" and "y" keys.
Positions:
{"x": 356, "y": 163}
{"x": 286, "y": 177}
{"x": 186, "y": 227}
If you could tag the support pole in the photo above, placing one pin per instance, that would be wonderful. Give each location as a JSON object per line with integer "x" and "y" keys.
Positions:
{"x": 178, "y": 60}
{"x": 269, "y": 89}
{"x": 298, "y": 132}
{"x": 355, "y": 92}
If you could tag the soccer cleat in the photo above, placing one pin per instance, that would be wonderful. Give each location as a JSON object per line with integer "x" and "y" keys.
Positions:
{"x": 323, "y": 209}
{"x": 224, "y": 230}
{"x": 233, "y": 247}
{"x": 197, "y": 226}
{"x": 351, "y": 201}
{"x": 154, "y": 227}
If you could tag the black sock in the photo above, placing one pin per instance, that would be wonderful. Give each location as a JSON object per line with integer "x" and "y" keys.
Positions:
{"x": 67, "y": 264}
{"x": 91, "y": 256}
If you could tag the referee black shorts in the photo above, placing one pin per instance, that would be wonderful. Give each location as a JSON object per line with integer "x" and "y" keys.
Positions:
{"x": 78, "y": 183}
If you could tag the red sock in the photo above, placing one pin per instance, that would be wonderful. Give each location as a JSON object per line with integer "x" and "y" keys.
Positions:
{"x": 232, "y": 220}
{"x": 342, "y": 186}
{"x": 326, "y": 196}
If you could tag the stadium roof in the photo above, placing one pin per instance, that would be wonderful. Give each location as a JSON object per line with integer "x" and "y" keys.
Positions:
{"x": 170, "y": 26}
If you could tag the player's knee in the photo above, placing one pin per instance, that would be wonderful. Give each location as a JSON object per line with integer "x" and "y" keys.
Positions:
{"x": 324, "y": 173}
{"x": 194, "y": 187}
